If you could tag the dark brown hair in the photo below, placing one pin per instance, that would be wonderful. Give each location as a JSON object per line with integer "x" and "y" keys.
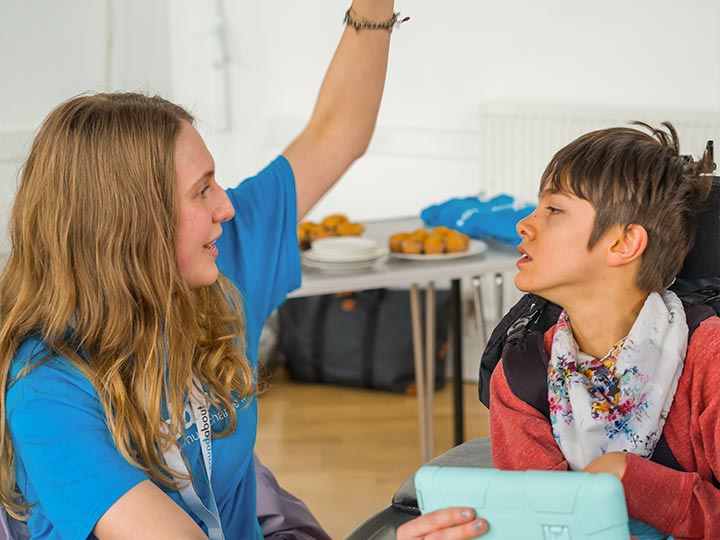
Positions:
{"x": 632, "y": 177}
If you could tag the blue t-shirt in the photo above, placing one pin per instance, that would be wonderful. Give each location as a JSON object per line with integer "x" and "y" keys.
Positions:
{"x": 66, "y": 462}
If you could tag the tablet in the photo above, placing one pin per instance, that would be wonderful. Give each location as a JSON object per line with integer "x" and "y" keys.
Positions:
{"x": 530, "y": 505}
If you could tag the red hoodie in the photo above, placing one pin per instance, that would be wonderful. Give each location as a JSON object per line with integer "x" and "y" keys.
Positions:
{"x": 682, "y": 504}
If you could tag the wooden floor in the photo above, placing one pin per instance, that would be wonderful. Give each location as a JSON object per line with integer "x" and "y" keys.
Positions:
{"x": 346, "y": 451}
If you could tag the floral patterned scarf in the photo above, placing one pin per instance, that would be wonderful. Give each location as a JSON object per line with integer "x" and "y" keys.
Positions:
{"x": 618, "y": 402}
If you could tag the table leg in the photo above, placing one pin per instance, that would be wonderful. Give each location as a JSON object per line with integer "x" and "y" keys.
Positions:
{"x": 455, "y": 329}
{"x": 499, "y": 281}
{"x": 479, "y": 312}
{"x": 430, "y": 364}
{"x": 419, "y": 370}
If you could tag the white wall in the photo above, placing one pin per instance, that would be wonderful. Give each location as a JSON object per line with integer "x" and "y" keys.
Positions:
{"x": 455, "y": 56}
{"x": 51, "y": 50}
{"x": 250, "y": 70}
{"x": 446, "y": 63}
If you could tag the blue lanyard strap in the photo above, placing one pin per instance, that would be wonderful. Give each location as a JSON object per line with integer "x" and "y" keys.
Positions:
{"x": 173, "y": 458}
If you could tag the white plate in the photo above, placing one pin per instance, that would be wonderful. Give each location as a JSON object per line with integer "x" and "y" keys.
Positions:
{"x": 344, "y": 249}
{"x": 476, "y": 247}
{"x": 310, "y": 255}
{"x": 347, "y": 265}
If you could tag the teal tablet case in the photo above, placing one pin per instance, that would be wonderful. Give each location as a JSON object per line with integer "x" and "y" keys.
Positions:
{"x": 530, "y": 505}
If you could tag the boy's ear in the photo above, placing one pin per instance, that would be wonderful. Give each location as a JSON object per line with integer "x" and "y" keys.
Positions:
{"x": 629, "y": 244}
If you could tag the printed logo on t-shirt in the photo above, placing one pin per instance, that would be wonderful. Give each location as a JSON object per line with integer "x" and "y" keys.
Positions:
{"x": 211, "y": 419}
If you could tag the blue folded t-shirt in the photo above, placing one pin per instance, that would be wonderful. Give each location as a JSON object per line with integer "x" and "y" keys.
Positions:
{"x": 494, "y": 218}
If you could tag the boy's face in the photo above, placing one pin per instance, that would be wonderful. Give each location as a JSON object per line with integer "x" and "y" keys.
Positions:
{"x": 555, "y": 262}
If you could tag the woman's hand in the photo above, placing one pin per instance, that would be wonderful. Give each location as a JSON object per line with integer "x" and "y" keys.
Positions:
{"x": 612, "y": 462}
{"x": 449, "y": 524}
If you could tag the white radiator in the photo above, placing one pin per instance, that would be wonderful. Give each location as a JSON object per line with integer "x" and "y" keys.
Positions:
{"x": 517, "y": 141}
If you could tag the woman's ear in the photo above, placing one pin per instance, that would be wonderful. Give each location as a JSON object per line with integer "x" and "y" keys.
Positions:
{"x": 629, "y": 244}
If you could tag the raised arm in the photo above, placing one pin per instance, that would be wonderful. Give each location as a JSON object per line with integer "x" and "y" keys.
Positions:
{"x": 344, "y": 117}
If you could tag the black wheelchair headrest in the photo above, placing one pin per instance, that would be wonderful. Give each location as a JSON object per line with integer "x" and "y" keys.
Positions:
{"x": 703, "y": 261}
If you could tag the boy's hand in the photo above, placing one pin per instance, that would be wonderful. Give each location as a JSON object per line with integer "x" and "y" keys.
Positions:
{"x": 612, "y": 462}
{"x": 448, "y": 524}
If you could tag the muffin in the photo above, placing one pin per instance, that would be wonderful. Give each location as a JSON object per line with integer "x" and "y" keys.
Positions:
{"x": 318, "y": 231}
{"x": 334, "y": 220}
{"x": 304, "y": 234}
{"x": 434, "y": 244}
{"x": 395, "y": 241}
{"x": 456, "y": 242}
{"x": 349, "y": 229}
{"x": 412, "y": 245}
{"x": 420, "y": 234}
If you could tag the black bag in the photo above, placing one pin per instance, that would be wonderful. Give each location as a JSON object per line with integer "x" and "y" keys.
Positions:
{"x": 359, "y": 339}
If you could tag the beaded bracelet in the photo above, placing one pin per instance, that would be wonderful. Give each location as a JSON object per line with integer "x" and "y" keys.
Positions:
{"x": 393, "y": 22}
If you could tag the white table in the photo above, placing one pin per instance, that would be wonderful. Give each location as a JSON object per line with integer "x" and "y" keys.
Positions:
{"x": 404, "y": 273}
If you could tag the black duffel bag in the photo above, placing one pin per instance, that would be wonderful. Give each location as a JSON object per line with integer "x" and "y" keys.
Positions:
{"x": 358, "y": 339}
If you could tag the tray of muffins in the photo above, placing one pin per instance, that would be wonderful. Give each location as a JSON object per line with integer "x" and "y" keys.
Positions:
{"x": 336, "y": 243}
{"x": 439, "y": 243}
{"x": 330, "y": 226}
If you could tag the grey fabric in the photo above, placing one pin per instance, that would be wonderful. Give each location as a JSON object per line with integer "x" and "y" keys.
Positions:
{"x": 11, "y": 529}
{"x": 281, "y": 515}
{"x": 4, "y": 526}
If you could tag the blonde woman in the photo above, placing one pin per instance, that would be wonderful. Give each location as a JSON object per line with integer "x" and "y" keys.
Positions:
{"x": 133, "y": 299}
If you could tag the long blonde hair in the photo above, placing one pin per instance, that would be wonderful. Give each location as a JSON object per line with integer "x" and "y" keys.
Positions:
{"x": 93, "y": 273}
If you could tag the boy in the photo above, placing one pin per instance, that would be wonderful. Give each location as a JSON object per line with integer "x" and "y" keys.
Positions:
{"x": 614, "y": 223}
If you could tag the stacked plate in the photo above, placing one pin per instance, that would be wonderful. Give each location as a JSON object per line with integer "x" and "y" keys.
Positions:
{"x": 343, "y": 253}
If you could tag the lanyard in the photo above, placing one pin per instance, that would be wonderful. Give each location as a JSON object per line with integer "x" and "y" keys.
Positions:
{"x": 209, "y": 516}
